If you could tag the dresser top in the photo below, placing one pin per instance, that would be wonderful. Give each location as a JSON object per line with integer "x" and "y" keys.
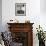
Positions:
{"x": 19, "y": 23}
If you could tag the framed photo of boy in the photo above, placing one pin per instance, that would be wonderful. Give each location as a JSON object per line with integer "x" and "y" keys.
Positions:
{"x": 20, "y": 9}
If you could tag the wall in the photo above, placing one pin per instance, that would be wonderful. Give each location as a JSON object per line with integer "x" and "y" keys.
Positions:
{"x": 43, "y": 6}
{"x": 33, "y": 13}
{"x": 0, "y": 15}
{"x": 43, "y": 14}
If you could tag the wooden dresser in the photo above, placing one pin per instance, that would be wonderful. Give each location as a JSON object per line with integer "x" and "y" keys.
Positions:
{"x": 22, "y": 33}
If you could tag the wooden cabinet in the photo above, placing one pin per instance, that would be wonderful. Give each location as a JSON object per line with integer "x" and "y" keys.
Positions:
{"x": 22, "y": 33}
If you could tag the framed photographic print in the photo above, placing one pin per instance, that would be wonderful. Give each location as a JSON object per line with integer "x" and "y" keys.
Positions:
{"x": 20, "y": 9}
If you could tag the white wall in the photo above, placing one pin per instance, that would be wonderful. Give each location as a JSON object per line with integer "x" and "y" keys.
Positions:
{"x": 43, "y": 14}
{"x": 33, "y": 13}
{"x": 43, "y": 6}
{"x": 0, "y": 15}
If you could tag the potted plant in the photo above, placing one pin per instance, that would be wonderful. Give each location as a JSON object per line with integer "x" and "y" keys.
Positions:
{"x": 41, "y": 36}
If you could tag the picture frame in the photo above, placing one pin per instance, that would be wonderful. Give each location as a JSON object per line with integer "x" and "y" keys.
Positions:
{"x": 20, "y": 9}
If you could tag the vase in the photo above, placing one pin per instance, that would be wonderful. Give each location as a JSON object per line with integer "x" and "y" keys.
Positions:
{"x": 41, "y": 43}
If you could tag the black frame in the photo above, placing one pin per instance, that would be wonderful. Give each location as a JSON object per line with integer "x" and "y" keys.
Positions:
{"x": 18, "y": 9}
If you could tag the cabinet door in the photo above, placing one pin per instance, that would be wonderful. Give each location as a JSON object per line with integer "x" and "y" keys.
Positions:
{"x": 20, "y": 37}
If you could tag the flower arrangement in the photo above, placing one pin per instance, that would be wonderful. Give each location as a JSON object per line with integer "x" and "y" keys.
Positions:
{"x": 40, "y": 34}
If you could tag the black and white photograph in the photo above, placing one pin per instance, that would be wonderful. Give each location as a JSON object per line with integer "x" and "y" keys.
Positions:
{"x": 20, "y": 9}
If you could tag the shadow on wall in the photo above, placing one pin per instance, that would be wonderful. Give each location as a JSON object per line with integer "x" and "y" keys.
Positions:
{"x": 43, "y": 6}
{"x": 0, "y": 15}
